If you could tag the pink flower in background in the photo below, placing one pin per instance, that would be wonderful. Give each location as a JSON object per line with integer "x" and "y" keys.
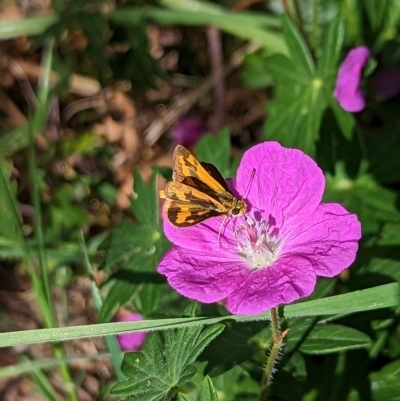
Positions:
{"x": 386, "y": 83}
{"x": 347, "y": 89}
{"x": 274, "y": 253}
{"x": 188, "y": 131}
{"x": 131, "y": 341}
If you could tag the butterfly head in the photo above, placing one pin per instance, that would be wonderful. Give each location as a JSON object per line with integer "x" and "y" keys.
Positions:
{"x": 239, "y": 208}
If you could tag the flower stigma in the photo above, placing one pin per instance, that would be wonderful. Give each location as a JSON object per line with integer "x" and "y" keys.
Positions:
{"x": 256, "y": 244}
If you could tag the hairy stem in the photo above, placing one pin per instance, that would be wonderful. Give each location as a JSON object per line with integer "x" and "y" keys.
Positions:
{"x": 277, "y": 344}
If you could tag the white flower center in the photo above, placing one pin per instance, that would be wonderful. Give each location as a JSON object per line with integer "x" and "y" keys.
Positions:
{"x": 257, "y": 242}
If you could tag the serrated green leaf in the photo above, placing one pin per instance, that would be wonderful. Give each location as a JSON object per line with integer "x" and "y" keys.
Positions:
{"x": 302, "y": 91}
{"x": 165, "y": 363}
{"x": 216, "y": 150}
{"x": 295, "y": 113}
{"x": 331, "y": 338}
{"x": 207, "y": 391}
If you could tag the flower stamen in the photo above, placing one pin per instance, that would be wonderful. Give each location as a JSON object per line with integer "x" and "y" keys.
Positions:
{"x": 257, "y": 242}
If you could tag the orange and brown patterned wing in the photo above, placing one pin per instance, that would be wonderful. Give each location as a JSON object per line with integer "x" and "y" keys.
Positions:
{"x": 182, "y": 214}
{"x": 178, "y": 191}
{"x": 188, "y": 170}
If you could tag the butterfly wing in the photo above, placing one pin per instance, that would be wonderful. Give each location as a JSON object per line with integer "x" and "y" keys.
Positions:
{"x": 178, "y": 191}
{"x": 188, "y": 170}
{"x": 182, "y": 214}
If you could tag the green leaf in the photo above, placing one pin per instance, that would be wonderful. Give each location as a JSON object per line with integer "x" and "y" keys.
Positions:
{"x": 231, "y": 348}
{"x": 331, "y": 48}
{"x": 299, "y": 52}
{"x": 8, "y": 210}
{"x": 372, "y": 203}
{"x": 302, "y": 91}
{"x": 145, "y": 206}
{"x": 383, "y": 296}
{"x": 120, "y": 294}
{"x": 207, "y": 392}
{"x": 253, "y": 73}
{"x": 295, "y": 114}
{"x": 25, "y": 26}
{"x": 44, "y": 385}
{"x": 216, "y": 150}
{"x": 165, "y": 363}
{"x": 344, "y": 120}
{"x": 236, "y": 384}
{"x": 331, "y": 338}
{"x": 385, "y": 384}
{"x": 384, "y": 256}
{"x": 185, "y": 397}
{"x": 128, "y": 240}
{"x": 376, "y": 11}
{"x": 138, "y": 250}
{"x": 246, "y": 25}
{"x": 28, "y": 365}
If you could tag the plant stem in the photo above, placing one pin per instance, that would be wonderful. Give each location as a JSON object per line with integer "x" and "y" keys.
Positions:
{"x": 298, "y": 16}
{"x": 42, "y": 288}
{"x": 38, "y": 221}
{"x": 285, "y": 6}
{"x": 277, "y": 343}
{"x": 111, "y": 341}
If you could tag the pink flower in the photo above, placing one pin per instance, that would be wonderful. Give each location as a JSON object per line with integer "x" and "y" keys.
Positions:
{"x": 274, "y": 253}
{"x": 131, "y": 341}
{"x": 386, "y": 83}
{"x": 347, "y": 89}
{"x": 188, "y": 131}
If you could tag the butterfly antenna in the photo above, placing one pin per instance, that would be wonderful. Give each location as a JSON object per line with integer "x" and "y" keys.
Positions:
{"x": 253, "y": 174}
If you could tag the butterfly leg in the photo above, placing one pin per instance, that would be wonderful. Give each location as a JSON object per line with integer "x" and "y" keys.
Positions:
{"x": 219, "y": 229}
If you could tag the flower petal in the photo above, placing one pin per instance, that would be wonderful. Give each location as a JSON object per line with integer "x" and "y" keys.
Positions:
{"x": 203, "y": 276}
{"x": 188, "y": 131}
{"x": 347, "y": 90}
{"x": 131, "y": 341}
{"x": 329, "y": 239}
{"x": 283, "y": 282}
{"x": 212, "y": 235}
{"x": 287, "y": 185}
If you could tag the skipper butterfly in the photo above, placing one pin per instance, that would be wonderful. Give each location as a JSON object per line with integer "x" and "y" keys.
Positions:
{"x": 197, "y": 192}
